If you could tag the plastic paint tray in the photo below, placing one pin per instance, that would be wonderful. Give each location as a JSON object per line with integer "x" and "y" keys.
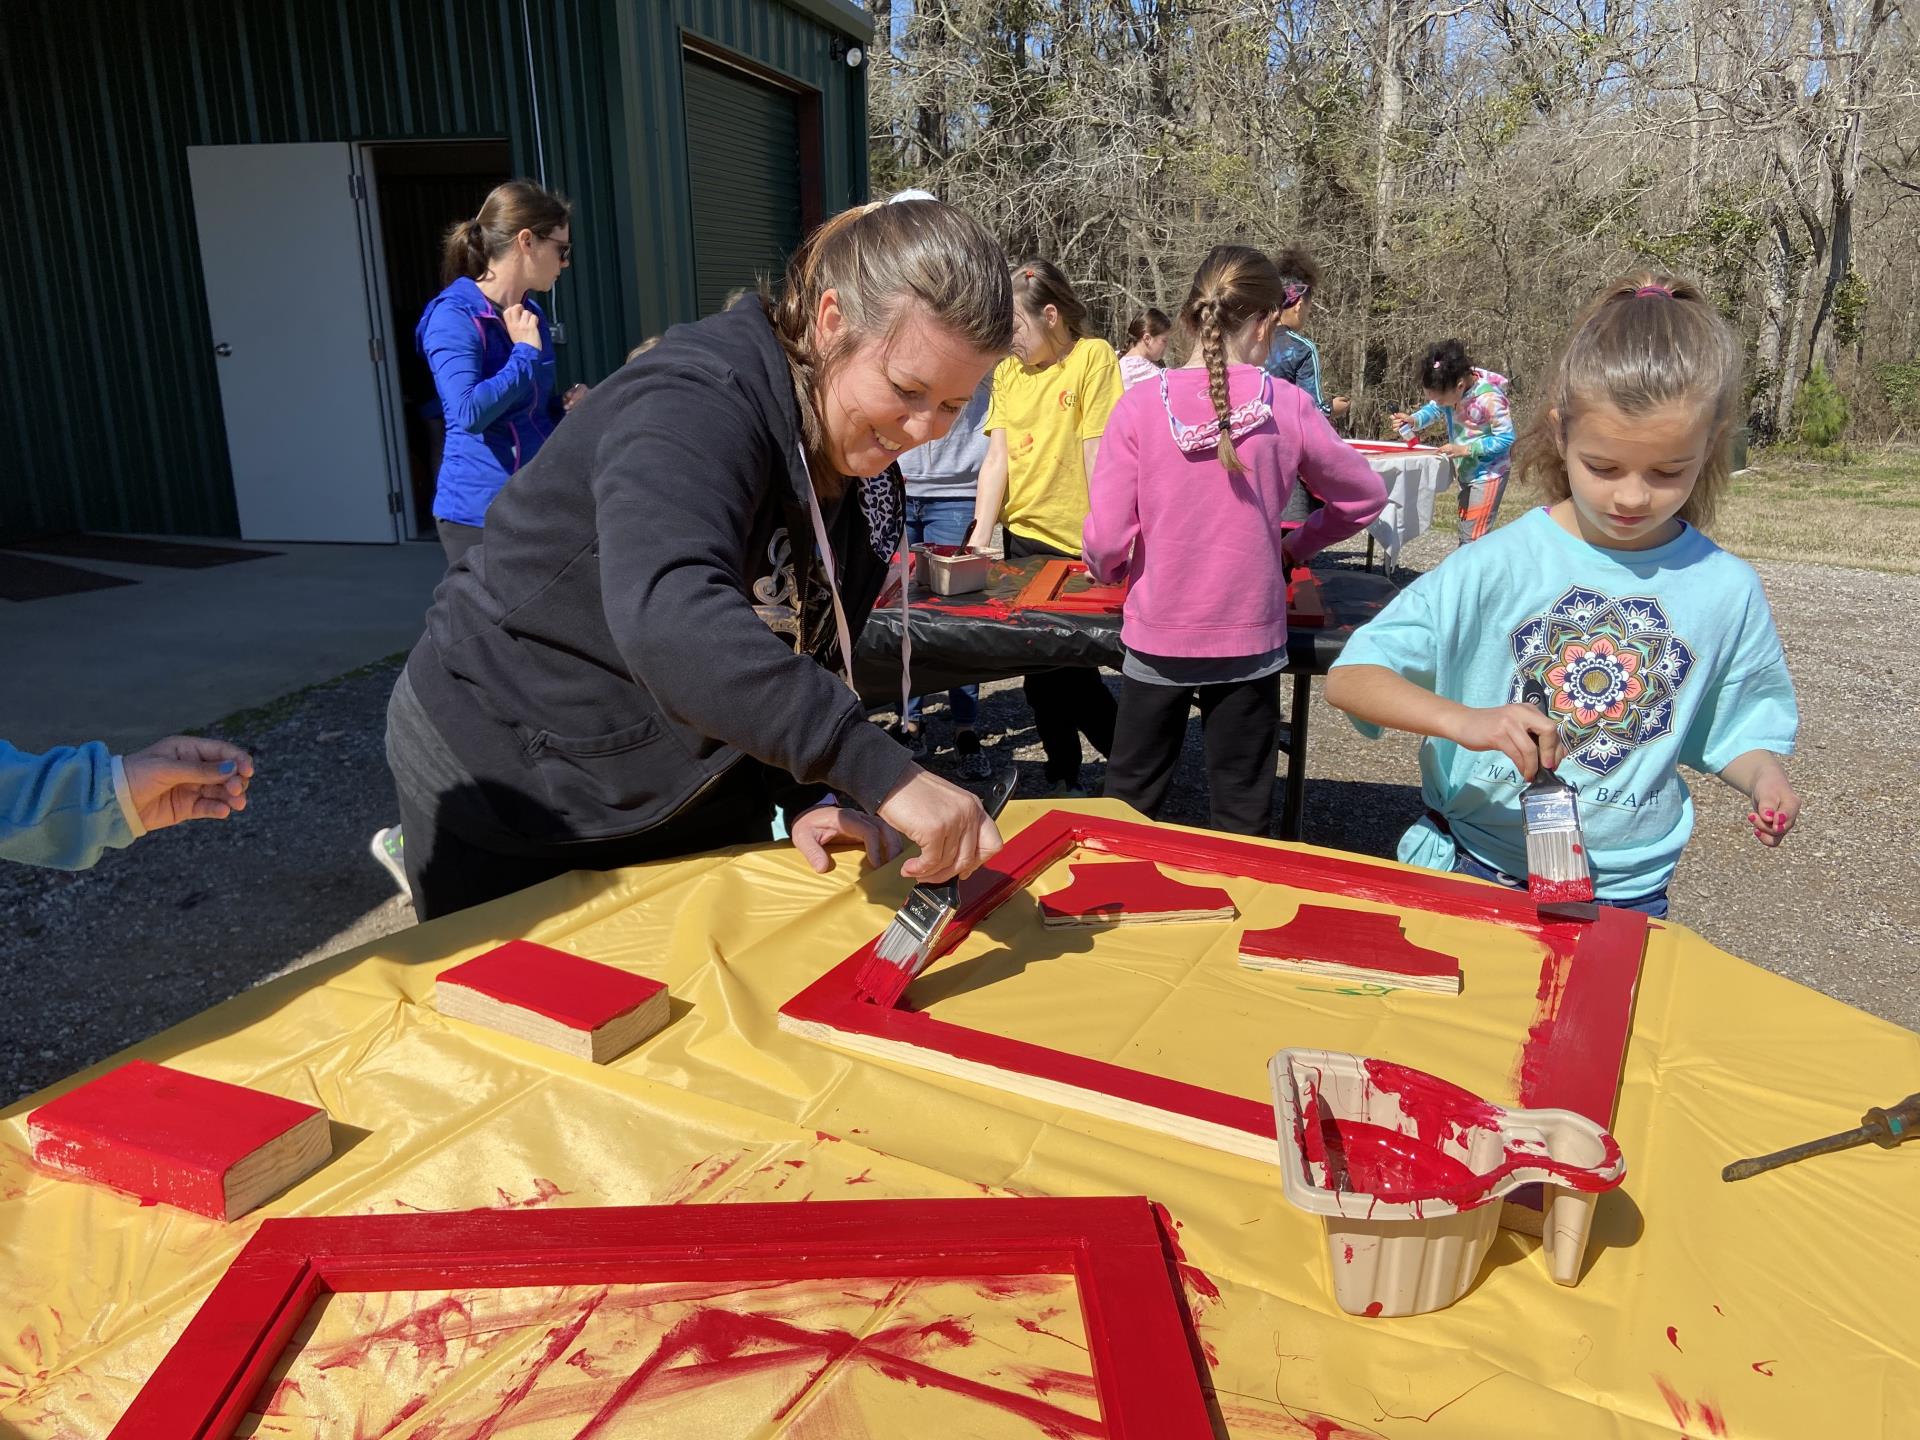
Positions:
{"x": 951, "y": 569}
{"x": 1406, "y": 1170}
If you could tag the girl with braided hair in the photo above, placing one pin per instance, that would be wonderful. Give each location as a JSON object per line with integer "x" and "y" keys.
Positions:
{"x": 1188, "y": 492}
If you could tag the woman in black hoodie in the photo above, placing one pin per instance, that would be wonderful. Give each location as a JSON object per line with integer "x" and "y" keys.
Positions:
{"x": 649, "y": 651}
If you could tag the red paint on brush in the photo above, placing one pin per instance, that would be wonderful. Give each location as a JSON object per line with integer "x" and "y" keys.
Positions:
{"x": 161, "y": 1134}
{"x": 1560, "y": 892}
{"x": 580, "y": 993}
{"x": 1673, "y": 1336}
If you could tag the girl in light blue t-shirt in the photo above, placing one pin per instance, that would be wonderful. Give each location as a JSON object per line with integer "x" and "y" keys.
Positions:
{"x": 1648, "y": 645}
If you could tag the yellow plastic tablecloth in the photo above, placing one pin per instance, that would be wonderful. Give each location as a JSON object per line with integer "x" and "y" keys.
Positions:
{"x": 1787, "y": 1306}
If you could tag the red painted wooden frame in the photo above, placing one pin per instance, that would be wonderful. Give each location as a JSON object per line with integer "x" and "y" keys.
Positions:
{"x": 1142, "y": 1351}
{"x": 1571, "y": 1058}
{"x": 1392, "y": 447}
{"x": 1047, "y": 591}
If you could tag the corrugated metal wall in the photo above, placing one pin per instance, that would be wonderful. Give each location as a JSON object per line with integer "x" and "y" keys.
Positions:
{"x": 105, "y": 355}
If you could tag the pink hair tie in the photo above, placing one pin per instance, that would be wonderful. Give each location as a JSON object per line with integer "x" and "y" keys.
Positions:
{"x": 1659, "y": 290}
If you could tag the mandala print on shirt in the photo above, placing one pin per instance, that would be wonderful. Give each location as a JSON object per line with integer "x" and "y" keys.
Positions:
{"x": 1611, "y": 669}
{"x": 881, "y": 503}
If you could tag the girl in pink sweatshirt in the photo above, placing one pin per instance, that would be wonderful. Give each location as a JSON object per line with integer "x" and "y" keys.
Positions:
{"x": 1187, "y": 494}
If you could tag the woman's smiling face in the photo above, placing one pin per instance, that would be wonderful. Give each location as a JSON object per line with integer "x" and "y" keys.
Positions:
{"x": 894, "y": 391}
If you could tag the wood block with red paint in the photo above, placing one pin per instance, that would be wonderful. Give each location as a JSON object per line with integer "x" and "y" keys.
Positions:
{"x": 1369, "y": 946}
{"x": 1131, "y": 892}
{"x": 171, "y": 1138}
{"x": 1306, "y": 606}
{"x": 553, "y": 998}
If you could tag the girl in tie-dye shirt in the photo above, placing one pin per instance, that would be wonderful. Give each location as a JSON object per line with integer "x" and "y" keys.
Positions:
{"x": 1479, "y": 429}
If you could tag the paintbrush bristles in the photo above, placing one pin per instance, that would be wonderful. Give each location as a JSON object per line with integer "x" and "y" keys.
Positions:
{"x": 890, "y": 969}
{"x": 1557, "y": 872}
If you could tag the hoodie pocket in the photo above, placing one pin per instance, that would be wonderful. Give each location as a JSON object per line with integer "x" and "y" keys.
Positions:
{"x": 624, "y": 772}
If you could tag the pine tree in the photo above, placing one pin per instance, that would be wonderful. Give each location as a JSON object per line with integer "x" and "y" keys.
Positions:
{"x": 1820, "y": 411}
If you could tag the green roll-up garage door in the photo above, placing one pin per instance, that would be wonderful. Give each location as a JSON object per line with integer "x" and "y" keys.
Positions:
{"x": 743, "y": 168}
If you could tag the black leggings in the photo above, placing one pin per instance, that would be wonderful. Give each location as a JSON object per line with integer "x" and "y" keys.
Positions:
{"x": 1240, "y": 735}
{"x": 1066, "y": 703}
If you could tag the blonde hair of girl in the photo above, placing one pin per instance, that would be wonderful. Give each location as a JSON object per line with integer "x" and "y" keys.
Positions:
{"x": 1234, "y": 286}
{"x": 1647, "y": 341}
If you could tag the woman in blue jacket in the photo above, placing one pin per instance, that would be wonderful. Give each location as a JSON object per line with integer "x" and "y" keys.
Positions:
{"x": 491, "y": 351}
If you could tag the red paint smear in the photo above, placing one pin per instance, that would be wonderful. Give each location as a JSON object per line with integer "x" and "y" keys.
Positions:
{"x": 543, "y": 1192}
{"x": 1577, "y": 1044}
{"x": 1394, "y": 1167}
{"x": 699, "y": 1175}
{"x": 1373, "y": 1308}
{"x": 1718, "y": 1311}
{"x": 1677, "y": 1403}
{"x": 822, "y": 1135}
{"x": 282, "y": 1394}
{"x": 424, "y": 1330}
{"x": 1367, "y": 939}
{"x": 1034, "y": 1327}
{"x": 1673, "y": 1337}
{"x": 1712, "y": 1419}
{"x": 160, "y": 1134}
{"x": 1349, "y": 1254}
{"x": 865, "y": 1177}
{"x": 1761, "y": 1366}
{"x": 796, "y": 1164}
{"x": 1129, "y": 887}
{"x": 578, "y": 992}
{"x": 558, "y": 1340}
{"x": 29, "y": 1341}
{"x": 1437, "y": 1111}
{"x": 716, "y": 1338}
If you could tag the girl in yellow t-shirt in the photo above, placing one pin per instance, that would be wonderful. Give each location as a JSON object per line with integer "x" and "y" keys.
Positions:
{"x": 1051, "y": 399}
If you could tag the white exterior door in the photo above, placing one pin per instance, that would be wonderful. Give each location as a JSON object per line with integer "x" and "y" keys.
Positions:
{"x": 298, "y": 342}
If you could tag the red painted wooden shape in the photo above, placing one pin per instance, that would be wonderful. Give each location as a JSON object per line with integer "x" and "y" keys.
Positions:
{"x": 1591, "y": 970}
{"x": 1047, "y": 591}
{"x": 160, "y": 1134}
{"x": 1306, "y": 605}
{"x": 1136, "y": 1324}
{"x": 1114, "y": 888}
{"x": 1368, "y": 939}
{"x": 555, "y": 983}
{"x": 1392, "y": 447}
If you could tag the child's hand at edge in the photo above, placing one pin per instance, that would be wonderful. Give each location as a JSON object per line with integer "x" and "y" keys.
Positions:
{"x": 1520, "y": 732}
{"x": 1776, "y": 805}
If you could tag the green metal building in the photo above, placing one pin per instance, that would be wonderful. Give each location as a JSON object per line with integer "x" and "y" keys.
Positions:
{"x": 226, "y": 214}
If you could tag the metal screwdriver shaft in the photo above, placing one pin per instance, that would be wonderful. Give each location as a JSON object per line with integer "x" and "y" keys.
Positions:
{"x": 1887, "y": 1128}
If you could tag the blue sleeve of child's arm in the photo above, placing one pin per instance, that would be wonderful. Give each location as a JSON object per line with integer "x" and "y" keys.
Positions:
{"x": 1403, "y": 638}
{"x": 63, "y": 808}
{"x": 1499, "y": 438}
{"x": 455, "y": 355}
{"x": 1426, "y": 415}
{"x": 1753, "y": 706}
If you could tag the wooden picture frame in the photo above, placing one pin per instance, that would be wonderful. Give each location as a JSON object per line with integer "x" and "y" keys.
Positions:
{"x": 1571, "y": 1058}
{"x": 1047, "y": 591}
{"x": 1143, "y": 1354}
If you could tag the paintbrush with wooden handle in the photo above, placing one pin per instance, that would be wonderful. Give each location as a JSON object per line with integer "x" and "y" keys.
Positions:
{"x": 911, "y": 941}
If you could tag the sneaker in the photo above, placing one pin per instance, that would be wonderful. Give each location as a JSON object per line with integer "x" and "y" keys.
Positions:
{"x": 914, "y": 737}
{"x": 970, "y": 760}
{"x": 388, "y": 846}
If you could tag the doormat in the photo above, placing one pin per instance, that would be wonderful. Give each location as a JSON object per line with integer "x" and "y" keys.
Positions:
{"x": 125, "y": 550}
{"x": 22, "y": 577}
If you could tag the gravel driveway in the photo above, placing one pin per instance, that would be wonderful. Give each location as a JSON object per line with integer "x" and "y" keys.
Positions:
{"x": 96, "y": 961}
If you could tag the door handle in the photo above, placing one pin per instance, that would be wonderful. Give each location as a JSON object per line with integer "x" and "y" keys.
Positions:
{"x": 223, "y": 350}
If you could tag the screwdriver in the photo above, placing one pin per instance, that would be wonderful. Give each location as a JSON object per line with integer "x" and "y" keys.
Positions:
{"x": 1894, "y": 1125}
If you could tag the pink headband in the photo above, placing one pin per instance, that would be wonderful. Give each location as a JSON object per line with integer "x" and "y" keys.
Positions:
{"x": 1293, "y": 294}
{"x": 1662, "y": 291}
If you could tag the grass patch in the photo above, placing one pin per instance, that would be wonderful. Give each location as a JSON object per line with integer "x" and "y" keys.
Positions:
{"x": 1862, "y": 512}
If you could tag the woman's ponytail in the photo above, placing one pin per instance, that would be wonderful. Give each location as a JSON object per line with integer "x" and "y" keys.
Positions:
{"x": 471, "y": 246}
